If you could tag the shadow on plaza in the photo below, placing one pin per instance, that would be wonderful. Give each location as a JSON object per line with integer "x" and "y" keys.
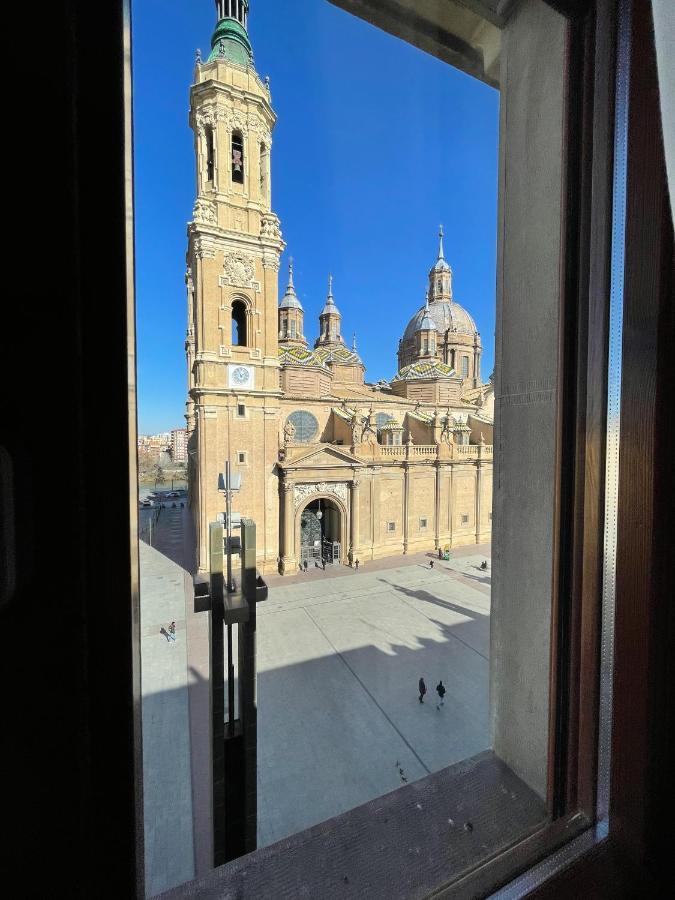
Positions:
{"x": 427, "y": 597}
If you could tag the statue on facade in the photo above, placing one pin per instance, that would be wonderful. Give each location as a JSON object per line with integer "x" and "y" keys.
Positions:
{"x": 369, "y": 434}
{"x": 446, "y": 433}
{"x": 355, "y": 428}
{"x": 289, "y": 432}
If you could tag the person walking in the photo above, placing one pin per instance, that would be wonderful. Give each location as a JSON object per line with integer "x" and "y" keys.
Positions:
{"x": 305, "y": 565}
{"x": 357, "y": 564}
{"x": 422, "y": 689}
{"x": 431, "y": 563}
{"x": 323, "y": 563}
{"x": 440, "y": 690}
{"x": 172, "y": 631}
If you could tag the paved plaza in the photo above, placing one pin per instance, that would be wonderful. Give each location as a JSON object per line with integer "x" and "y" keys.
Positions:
{"x": 339, "y": 660}
{"x": 339, "y": 723}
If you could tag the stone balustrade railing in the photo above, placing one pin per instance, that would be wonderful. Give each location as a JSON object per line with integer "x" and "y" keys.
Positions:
{"x": 458, "y": 452}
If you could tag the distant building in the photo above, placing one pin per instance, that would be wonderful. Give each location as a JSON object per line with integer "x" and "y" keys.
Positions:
{"x": 179, "y": 445}
{"x": 154, "y": 446}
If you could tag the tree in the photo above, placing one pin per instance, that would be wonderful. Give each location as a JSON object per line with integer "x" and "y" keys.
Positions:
{"x": 159, "y": 475}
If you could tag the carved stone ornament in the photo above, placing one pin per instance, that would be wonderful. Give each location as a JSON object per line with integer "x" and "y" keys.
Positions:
{"x": 204, "y": 247}
{"x": 205, "y": 212}
{"x": 269, "y": 227}
{"x": 206, "y": 117}
{"x": 303, "y": 491}
{"x": 239, "y": 269}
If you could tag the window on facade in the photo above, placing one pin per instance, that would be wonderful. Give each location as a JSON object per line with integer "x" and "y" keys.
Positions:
{"x": 391, "y": 526}
{"x": 241, "y": 410}
{"x": 305, "y": 425}
{"x": 423, "y": 523}
{"x": 239, "y": 324}
{"x": 465, "y": 367}
{"x": 264, "y": 170}
{"x": 210, "y": 153}
{"x": 242, "y": 457}
{"x": 293, "y": 328}
{"x": 237, "y": 157}
{"x": 465, "y": 520}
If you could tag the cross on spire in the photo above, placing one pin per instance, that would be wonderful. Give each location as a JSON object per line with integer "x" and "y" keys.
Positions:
{"x": 441, "y": 253}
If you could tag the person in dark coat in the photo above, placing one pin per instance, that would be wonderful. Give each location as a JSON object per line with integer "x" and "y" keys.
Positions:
{"x": 440, "y": 690}
{"x": 431, "y": 563}
{"x": 304, "y": 565}
{"x": 422, "y": 689}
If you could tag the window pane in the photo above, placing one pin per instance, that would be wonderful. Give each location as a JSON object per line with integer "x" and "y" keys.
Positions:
{"x": 372, "y": 470}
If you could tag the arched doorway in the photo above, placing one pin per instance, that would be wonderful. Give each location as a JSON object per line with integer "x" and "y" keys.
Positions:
{"x": 321, "y": 532}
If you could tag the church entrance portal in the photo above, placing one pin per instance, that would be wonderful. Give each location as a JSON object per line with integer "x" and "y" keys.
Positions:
{"x": 320, "y": 537}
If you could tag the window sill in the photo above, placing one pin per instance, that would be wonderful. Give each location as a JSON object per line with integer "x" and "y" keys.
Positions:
{"x": 408, "y": 844}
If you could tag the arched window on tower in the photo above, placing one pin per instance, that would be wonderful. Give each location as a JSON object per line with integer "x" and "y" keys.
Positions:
{"x": 264, "y": 171}
{"x": 239, "y": 336}
{"x": 237, "y": 157}
{"x": 210, "y": 154}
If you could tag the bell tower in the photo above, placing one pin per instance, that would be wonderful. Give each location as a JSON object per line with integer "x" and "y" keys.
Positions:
{"x": 234, "y": 248}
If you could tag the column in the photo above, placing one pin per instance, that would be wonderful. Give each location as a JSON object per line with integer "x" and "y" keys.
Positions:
{"x": 479, "y": 467}
{"x": 288, "y": 561}
{"x": 406, "y": 504}
{"x": 437, "y": 509}
{"x": 354, "y": 549}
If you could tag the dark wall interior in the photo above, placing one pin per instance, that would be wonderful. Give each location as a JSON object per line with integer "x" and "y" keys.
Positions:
{"x": 66, "y": 630}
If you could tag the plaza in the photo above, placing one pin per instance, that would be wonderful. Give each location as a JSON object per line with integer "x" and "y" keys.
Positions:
{"x": 339, "y": 656}
{"x": 339, "y": 659}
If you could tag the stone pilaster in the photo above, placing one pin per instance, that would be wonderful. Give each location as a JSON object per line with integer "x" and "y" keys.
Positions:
{"x": 437, "y": 509}
{"x": 406, "y": 503}
{"x": 354, "y": 548}
{"x": 288, "y": 560}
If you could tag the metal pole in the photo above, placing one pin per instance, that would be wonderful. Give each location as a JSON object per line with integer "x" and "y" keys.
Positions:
{"x": 228, "y": 513}
{"x": 230, "y": 683}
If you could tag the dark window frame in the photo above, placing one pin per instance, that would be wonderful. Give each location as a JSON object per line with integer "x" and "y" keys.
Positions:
{"x": 92, "y": 810}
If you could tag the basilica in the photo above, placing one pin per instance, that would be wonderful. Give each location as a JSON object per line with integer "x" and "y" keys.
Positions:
{"x": 333, "y": 469}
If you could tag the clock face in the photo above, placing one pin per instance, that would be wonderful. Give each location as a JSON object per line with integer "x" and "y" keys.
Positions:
{"x": 240, "y": 376}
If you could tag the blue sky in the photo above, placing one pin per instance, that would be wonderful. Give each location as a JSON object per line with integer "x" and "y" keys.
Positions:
{"x": 375, "y": 145}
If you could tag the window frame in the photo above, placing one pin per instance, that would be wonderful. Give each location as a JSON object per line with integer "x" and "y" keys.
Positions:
{"x": 105, "y": 766}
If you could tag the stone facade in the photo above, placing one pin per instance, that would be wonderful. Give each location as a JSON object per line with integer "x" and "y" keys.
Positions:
{"x": 363, "y": 471}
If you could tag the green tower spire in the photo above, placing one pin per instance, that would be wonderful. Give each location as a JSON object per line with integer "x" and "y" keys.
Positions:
{"x": 230, "y": 39}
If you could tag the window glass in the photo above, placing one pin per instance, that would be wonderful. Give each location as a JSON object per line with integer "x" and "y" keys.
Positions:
{"x": 373, "y": 543}
{"x": 305, "y": 425}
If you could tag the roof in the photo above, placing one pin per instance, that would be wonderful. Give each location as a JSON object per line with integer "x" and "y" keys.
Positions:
{"x": 300, "y": 356}
{"x": 230, "y": 41}
{"x": 424, "y": 370}
{"x": 340, "y": 355}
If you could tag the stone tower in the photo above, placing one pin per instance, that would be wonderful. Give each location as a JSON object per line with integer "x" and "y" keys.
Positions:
{"x": 234, "y": 247}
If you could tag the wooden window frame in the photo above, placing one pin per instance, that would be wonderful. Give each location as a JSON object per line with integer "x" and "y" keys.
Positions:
{"x": 91, "y": 803}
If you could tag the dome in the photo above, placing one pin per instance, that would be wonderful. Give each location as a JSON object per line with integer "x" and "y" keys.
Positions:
{"x": 290, "y": 299}
{"x": 330, "y": 309}
{"x": 427, "y": 323}
{"x": 445, "y": 314}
